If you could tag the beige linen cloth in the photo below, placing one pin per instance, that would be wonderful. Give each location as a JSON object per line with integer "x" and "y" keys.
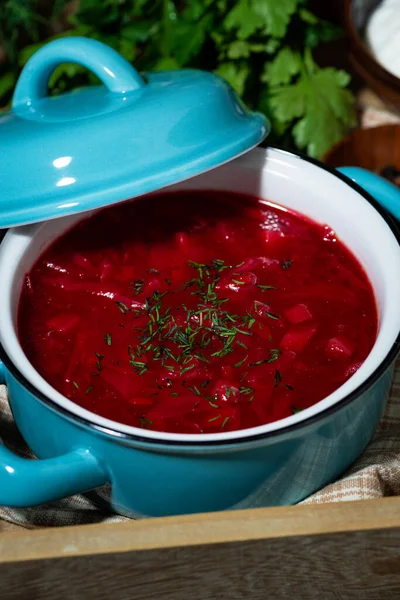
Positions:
{"x": 375, "y": 474}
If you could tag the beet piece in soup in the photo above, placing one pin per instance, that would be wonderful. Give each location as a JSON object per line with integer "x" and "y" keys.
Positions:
{"x": 197, "y": 312}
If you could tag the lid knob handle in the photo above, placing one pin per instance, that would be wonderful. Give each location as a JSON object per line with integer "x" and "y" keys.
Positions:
{"x": 111, "y": 68}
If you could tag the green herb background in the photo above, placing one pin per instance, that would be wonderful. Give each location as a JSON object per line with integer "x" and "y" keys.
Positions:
{"x": 263, "y": 48}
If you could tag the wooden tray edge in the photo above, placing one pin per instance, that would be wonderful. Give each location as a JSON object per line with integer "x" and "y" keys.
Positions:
{"x": 200, "y": 529}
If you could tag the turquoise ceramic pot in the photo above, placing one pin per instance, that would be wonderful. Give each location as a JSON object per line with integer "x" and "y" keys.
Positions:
{"x": 147, "y": 473}
{"x": 149, "y": 479}
{"x": 88, "y": 149}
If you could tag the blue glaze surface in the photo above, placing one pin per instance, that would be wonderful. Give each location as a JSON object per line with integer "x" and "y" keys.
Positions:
{"x": 386, "y": 193}
{"x": 154, "y": 480}
{"x": 95, "y": 146}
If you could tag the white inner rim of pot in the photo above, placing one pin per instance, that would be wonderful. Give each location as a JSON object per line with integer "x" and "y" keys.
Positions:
{"x": 272, "y": 175}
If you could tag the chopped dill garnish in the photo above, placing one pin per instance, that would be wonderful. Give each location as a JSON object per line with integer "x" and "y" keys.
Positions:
{"x": 271, "y": 316}
{"x": 246, "y": 391}
{"x": 286, "y": 264}
{"x": 214, "y": 418}
{"x": 274, "y": 355}
{"x": 145, "y": 422}
{"x": 241, "y": 362}
{"x": 138, "y": 286}
{"x": 122, "y": 307}
{"x": 277, "y": 378}
{"x": 265, "y": 287}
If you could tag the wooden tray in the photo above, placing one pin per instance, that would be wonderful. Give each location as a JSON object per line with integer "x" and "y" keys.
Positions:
{"x": 342, "y": 551}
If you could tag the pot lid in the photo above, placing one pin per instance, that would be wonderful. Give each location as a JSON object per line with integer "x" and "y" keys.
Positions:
{"x": 98, "y": 145}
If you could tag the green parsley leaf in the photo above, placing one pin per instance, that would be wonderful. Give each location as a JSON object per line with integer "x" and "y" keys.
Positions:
{"x": 308, "y": 17}
{"x": 245, "y": 41}
{"x": 317, "y": 30}
{"x": 187, "y": 38}
{"x": 235, "y": 74}
{"x": 239, "y": 49}
{"x": 282, "y": 68}
{"x": 243, "y": 19}
{"x": 318, "y": 100}
{"x": 166, "y": 64}
{"x": 7, "y": 82}
{"x": 275, "y": 15}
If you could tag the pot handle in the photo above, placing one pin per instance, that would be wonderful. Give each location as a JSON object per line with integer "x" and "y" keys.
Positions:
{"x": 119, "y": 76}
{"x": 386, "y": 193}
{"x": 25, "y": 482}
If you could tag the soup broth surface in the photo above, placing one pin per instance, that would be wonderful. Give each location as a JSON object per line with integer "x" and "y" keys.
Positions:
{"x": 197, "y": 312}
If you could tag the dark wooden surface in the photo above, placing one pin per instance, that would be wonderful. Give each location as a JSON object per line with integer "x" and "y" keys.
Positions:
{"x": 372, "y": 149}
{"x": 341, "y": 551}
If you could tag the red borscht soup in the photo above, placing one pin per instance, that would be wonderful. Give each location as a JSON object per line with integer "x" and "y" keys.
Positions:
{"x": 197, "y": 312}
